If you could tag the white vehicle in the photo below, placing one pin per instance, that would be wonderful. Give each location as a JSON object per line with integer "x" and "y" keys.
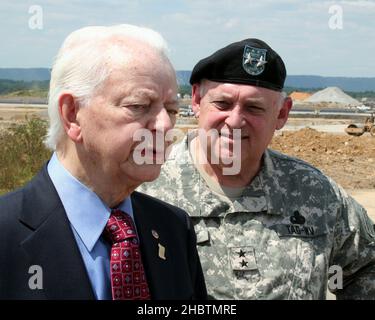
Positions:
{"x": 186, "y": 113}
{"x": 363, "y": 108}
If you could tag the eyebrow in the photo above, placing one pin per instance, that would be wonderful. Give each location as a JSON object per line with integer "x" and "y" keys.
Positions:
{"x": 135, "y": 95}
{"x": 230, "y": 96}
{"x": 254, "y": 100}
{"x": 144, "y": 93}
{"x": 221, "y": 95}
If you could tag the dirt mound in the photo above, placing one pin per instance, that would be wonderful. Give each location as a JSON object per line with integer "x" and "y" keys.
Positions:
{"x": 348, "y": 160}
{"x": 332, "y": 94}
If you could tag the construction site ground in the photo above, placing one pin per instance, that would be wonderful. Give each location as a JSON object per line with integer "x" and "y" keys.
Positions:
{"x": 349, "y": 160}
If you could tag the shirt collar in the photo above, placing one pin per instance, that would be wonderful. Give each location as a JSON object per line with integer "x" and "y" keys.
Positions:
{"x": 86, "y": 212}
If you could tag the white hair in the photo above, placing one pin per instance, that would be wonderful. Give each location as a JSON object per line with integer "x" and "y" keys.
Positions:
{"x": 85, "y": 60}
{"x": 283, "y": 96}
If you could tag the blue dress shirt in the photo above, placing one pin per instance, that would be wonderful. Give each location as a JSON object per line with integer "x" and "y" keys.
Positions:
{"x": 88, "y": 216}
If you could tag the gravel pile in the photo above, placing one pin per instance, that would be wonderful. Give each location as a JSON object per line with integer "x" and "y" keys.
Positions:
{"x": 332, "y": 95}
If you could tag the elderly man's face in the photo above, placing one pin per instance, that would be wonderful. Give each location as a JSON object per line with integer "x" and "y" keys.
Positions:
{"x": 254, "y": 110}
{"x": 142, "y": 96}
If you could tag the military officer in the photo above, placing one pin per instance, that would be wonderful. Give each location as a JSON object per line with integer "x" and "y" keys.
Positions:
{"x": 273, "y": 227}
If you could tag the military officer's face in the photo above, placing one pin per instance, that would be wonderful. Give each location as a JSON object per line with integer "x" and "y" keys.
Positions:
{"x": 257, "y": 111}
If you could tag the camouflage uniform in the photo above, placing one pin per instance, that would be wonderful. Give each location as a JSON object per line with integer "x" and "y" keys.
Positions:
{"x": 279, "y": 239}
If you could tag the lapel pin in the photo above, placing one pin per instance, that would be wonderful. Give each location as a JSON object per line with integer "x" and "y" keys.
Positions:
{"x": 155, "y": 234}
{"x": 162, "y": 252}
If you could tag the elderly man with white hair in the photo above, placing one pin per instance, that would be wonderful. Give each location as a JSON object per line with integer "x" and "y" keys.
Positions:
{"x": 77, "y": 230}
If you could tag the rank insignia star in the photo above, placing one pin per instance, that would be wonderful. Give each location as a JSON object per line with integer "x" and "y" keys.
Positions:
{"x": 254, "y": 60}
{"x": 248, "y": 59}
{"x": 244, "y": 263}
{"x": 241, "y": 253}
{"x": 242, "y": 258}
{"x": 261, "y": 62}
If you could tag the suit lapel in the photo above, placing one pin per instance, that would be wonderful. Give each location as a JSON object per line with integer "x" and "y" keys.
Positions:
{"x": 158, "y": 270}
{"x": 52, "y": 244}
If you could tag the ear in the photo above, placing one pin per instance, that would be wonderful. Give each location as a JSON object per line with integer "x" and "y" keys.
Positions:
{"x": 195, "y": 99}
{"x": 68, "y": 109}
{"x": 284, "y": 113}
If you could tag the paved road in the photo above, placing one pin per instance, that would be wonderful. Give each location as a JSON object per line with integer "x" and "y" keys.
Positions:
{"x": 22, "y": 106}
{"x": 331, "y": 128}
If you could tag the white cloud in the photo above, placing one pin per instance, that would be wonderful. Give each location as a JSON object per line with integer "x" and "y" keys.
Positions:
{"x": 297, "y": 29}
{"x": 360, "y": 3}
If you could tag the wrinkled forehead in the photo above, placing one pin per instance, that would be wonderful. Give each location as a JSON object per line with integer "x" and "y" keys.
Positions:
{"x": 153, "y": 77}
{"x": 125, "y": 61}
{"x": 148, "y": 65}
{"x": 233, "y": 90}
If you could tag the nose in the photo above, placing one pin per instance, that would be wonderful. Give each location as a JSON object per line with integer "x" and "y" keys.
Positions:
{"x": 235, "y": 119}
{"x": 161, "y": 121}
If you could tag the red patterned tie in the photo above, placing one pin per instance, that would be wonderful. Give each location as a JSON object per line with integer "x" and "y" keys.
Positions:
{"x": 128, "y": 280}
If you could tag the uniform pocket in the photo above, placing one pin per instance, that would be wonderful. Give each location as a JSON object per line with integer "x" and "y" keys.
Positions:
{"x": 201, "y": 232}
{"x": 308, "y": 273}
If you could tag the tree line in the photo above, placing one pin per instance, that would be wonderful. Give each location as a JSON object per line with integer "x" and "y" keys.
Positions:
{"x": 40, "y": 89}
{"x": 24, "y": 88}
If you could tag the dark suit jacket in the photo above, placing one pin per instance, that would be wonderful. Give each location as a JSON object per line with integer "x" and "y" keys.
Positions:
{"x": 34, "y": 230}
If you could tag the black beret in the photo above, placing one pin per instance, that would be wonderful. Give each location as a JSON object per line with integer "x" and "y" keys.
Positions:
{"x": 250, "y": 61}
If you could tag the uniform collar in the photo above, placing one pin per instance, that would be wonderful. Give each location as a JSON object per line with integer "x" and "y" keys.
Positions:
{"x": 262, "y": 194}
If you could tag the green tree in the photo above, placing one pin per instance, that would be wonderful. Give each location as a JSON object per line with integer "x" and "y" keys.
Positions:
{"x": 22, "y": 153}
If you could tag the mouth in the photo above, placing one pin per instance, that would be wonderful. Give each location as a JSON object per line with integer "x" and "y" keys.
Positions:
{"x": 232, "y": 137}
{"x": 154, "y": 152}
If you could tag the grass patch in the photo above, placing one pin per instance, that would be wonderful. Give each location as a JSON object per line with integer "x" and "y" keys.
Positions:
{"x": 22, "y": 153}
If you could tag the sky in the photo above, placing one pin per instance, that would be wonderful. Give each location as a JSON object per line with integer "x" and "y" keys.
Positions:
{"x": 327, "y": 38}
